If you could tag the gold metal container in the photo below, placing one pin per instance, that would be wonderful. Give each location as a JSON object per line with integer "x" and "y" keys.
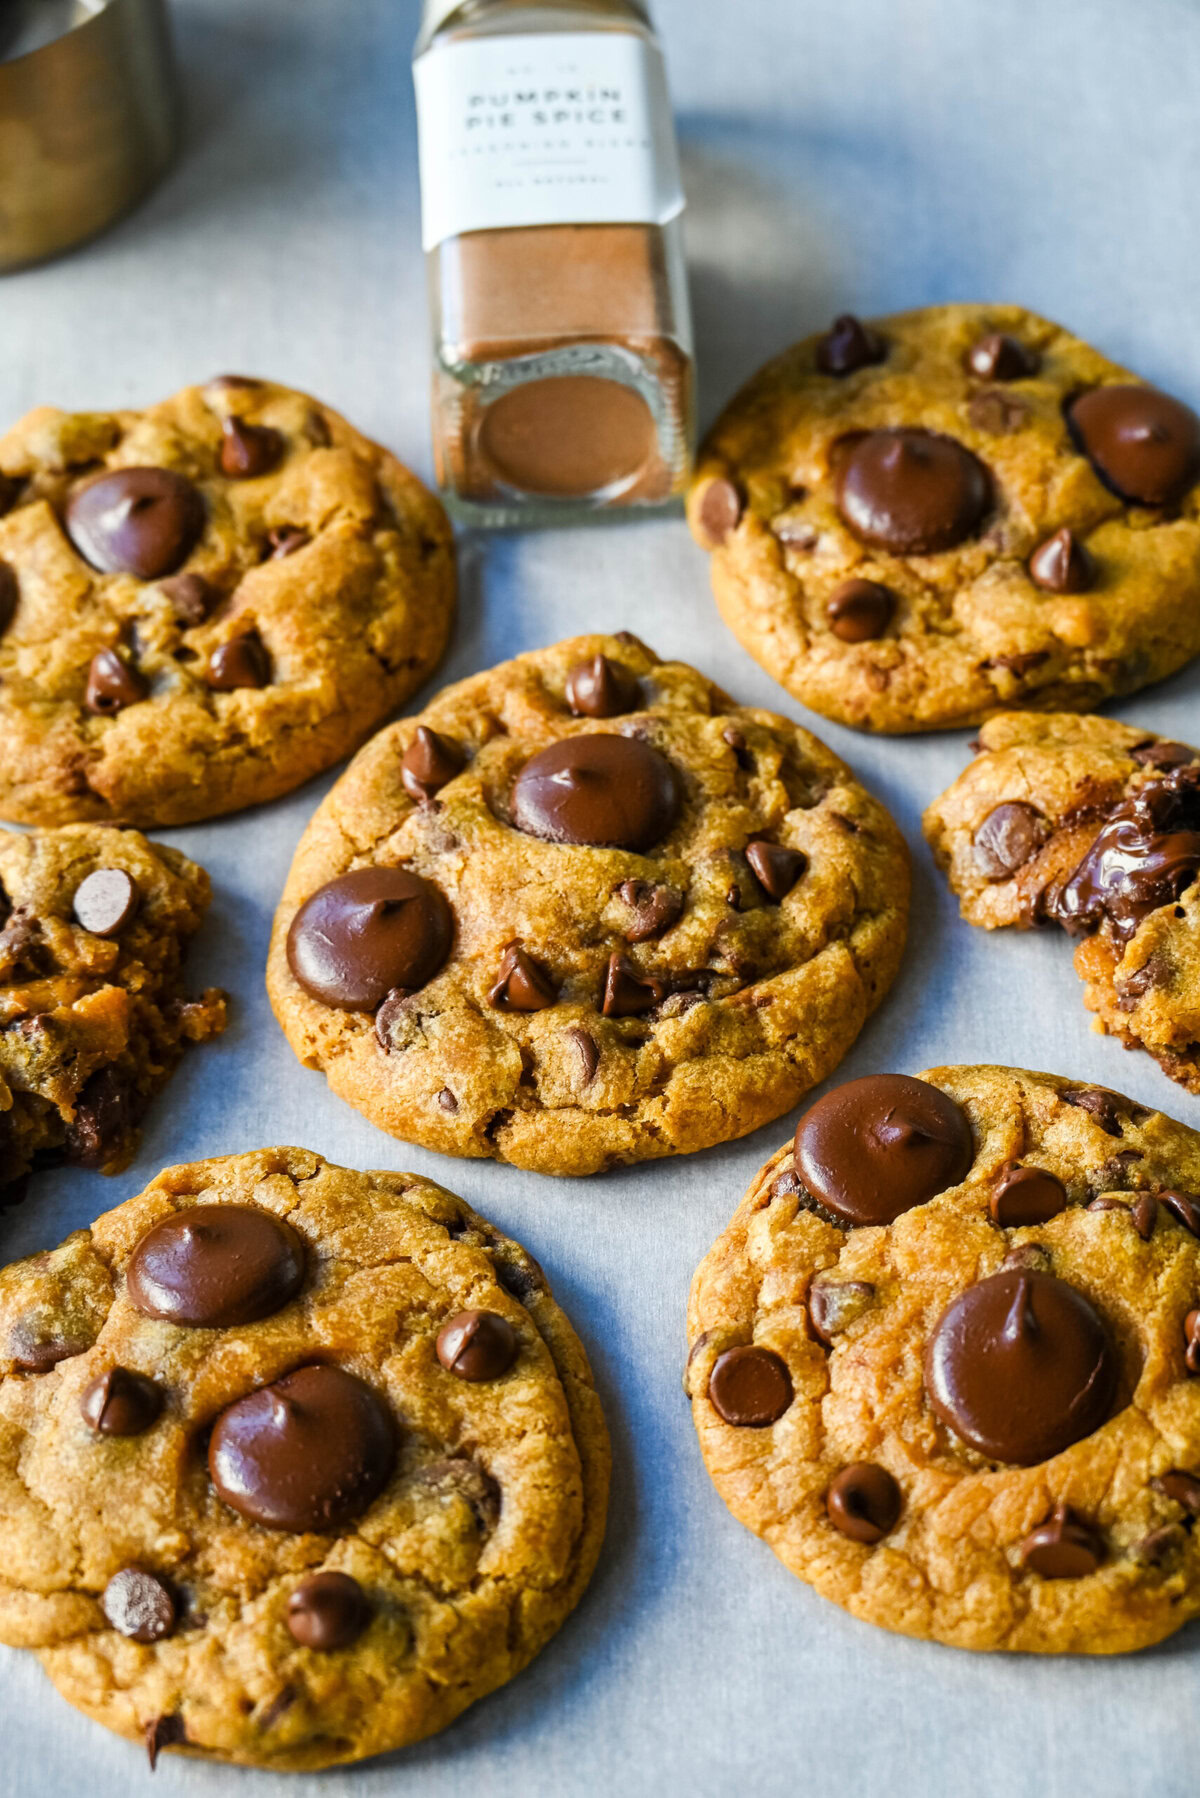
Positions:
{"x": 88, "y": 119}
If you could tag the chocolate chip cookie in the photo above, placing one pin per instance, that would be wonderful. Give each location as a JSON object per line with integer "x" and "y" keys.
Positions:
{"x": 94, "y": 1015}
{"x": 586, "y": 910}
{"x": 946, "y": 1360}
{"x": 921, "y": 521}
{"x": 205, "y": 603}
{"x": 1093, "y": 825}
{"x": 295, "y": 1463}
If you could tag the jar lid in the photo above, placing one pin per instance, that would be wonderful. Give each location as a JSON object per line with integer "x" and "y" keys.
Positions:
{"x": 436, "y": 12}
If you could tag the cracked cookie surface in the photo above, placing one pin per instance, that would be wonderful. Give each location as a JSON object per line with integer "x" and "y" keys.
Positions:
{"x": 631, "y": 918}
{"x": 915, "y": 524}
{"x": 1094, "y": 825}
{"x": 205, "y": 603}
{"x": 94, "y": 924}
{"x": 278, "y": 1495}
{"x": 820, "y": 1349}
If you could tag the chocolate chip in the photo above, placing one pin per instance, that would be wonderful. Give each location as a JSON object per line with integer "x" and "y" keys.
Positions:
{"x": 1027, "y": 1255}
{"x": 163, "y": 1732}
{"x": 192, "y": 597}
{"x": 775, "y": 868}
{"x": 521, "y": 1282}
{"x": 104, "y": 1114}
{"x": 609, "y": 792}
{"x": 1021, "y": 1366}
{"x": 1009, "y": 836}
{"x": 8, "y": 494}
{"x": 873, "y": 1148}
{"x": 1160, "y": 1545}
{"x": 327, "y": 1611}
{"x": 1184, "y": 1210}
{"x": 461, "y": 1478}
{"x": 737, "y": 742}
{"x": 119, "y": 1402}
{"x": 138, "y": 1605}
{"x": 999, "y": 357}
{"x": 627, "y": 992}
{"x": 139, "y": 521}
{"x": 1145, "y": 1215}
{"x": 849, "y": 345}
{"x": 585, "y": 1047}
{"x": 249, "y": 450}
{"x": 389, "y": 1015}
{"x": 242, "y": 662}
{"x": 311, "y": 1451}
{"x": 1191, "y": 1335}
{"x": 833, "y": 1307}
{"x": 750, "y": 1387}
{"x": 655, "y": 908}
{"x": 286, "y": 541}
{"x": 1062, "y": 565}
{"x": 1144, "y": 856}
{"x": 446, "y": 1100}
{"x": 1154, "y": 971}
{"x": 112, "y": 684}
{"x": 1018, "y": 665}
{"x": 366, "y": 933}
{"x": 105, "y": 901}
{"x": 911, "y": 491}
{"x": 9, "y": 594}
{"x": 859, "y": 611}
{"x": 214, "y": 1267}
{"x": 429, "y": 762}
{"x": 864, "y": 1502}
{"x": 1164, "y": 754}
{"x": 719, "y": 511}
{"x": 1062, "y": 1548}
{"x": 1143, "y": 445}
{"x": 999, "y": 414}
{"x": 1103, "y": 1107}
{"x": 1023, "y": 1196}
{"x": 31, "y": 1355}
{"x": 1107, "y": 1203}
{"x": 477, "y": 1345}
{"x": 1181, "y": 1488}
{"x": 522, "y": 984}
{"x": 600, "y": 688}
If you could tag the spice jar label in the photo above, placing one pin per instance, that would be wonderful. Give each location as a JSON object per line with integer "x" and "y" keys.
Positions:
{"x": 549, "y": 128}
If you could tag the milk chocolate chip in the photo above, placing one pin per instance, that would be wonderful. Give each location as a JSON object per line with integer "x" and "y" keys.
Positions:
{"x": 775, "y": 868}
{"x": 138, "y": 1605}
{"x": 522, "y": 984}
{"x": 366, "y": 933}
{"x": 428, "y": 763}
{"x": 119, "y": 1402}
{"x": 1025, "y": 1195}
{"x": 328, "y": 1611}
{"x": 477, "y": 1345}
{"x": 311, "y": 1451}
{"x": 140, "y": 521}
{"x": 105, "y": 900}
{"x": 609, "y": 792}
{"x": 1144, "y": 445}
{"x": 849, "y": 345}
{"x": 216, "y": 1266}
{"x": 999, "y": 357}
{"x": 242, "y": 662}
{"x": 1062, "y": 565}
{"x": 1062, "y": 1547}
{"x": 859, "y": 611}
{"x": 248, "y": 450}
{"x": 1009, "y": 836}
{"x": 864, "y": 1502}
{"x": 1021, "y": 1366}
{"x": 875, "y": 1147}
{"x": 911, "y": 491}
{"x": 112, "y": 684}
{"x": 750, "y": 1387}
{"x": 600, "y": 688}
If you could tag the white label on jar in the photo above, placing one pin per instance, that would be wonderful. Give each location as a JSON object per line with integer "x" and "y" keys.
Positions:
{"x": 553, "y": 128}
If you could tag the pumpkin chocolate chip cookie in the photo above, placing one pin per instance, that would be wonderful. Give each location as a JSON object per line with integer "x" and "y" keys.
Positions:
{"x": 311, "y": 1460}
{"x": 946, "y": 1360}
{"x": 205, "y": 603}
{"x": 94, "y": 923}
{"x": 586, "y": 910}
{"x": 922, "y": 521}
{"x": 1093, "y": 825}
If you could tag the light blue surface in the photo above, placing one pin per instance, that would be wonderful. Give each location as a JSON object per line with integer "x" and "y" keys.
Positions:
{"x": 863, "y": 154}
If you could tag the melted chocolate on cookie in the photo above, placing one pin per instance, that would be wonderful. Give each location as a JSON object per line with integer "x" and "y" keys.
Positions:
{"x": 1146, "y": 855}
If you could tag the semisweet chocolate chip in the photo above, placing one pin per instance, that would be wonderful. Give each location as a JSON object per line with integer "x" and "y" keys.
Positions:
{"x": 1021, "y": 1366}
{"x": 241, "y": 662}
{"x": 1143, "y": 445}
{"x": 606, "y": 791}
{"x": 285, "y": 541}
{"x": 655, "y": 909}
{"x": 9, "y": 594}
{"x": 911, "y": 491}
{"x": 327, "y": 1611}
{"x": 311, "y": 1451}
{"x": 873, "y": 1148}
{"x": 1191, "y": 1336}
{"x": 163, "y": 1732}
{"x": 1025, "y": 1195}
{"x": 627, "y": 991}
{"x": 105, "y": 1111}
{"x": 775, "y": 868}
{"x": 750, "y": 1387}
{"x": 719, "y": 512}
{"x": 1145, "y": 1215}
{"x": 585, "y": 1047}
{"x": 120, "y": 1402}
{"x": 105, "y": 900}
{"x": 477, "y": 1345}
{"x": 848, "y": 345}
{"x": 1103, "y": 1107}
{"x": 522, "y": 983}
{"x": 1164, "y": 754}
{"x": 216, "y": 1266}
{"x": 1063, "y": 1547}
{"x": 139, "y": 521}
{"x": 1008, "y": 837}
{"x": 999, "y": 357}
{"x": 1181, "y": 1488}
{"x": 833, "y": 1307}
{"x": 601, "y": 688}
{"x": 369, "y": 932}
{"x": 35, "y": 1354}
{"x": 429, "y": 762}
{"x": 389, "y": 1015}
{"x": 859, "y": 611}
{"x": 192, "y": 597}
{"x": 1184, "y": 1210}
{"x": 864, "y": 1502}
{"x": 249, "y": 450}
{"x": 138, "y": 1605}
{"x": 112, "y": 684}
{"x": 1062, "y": 565}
